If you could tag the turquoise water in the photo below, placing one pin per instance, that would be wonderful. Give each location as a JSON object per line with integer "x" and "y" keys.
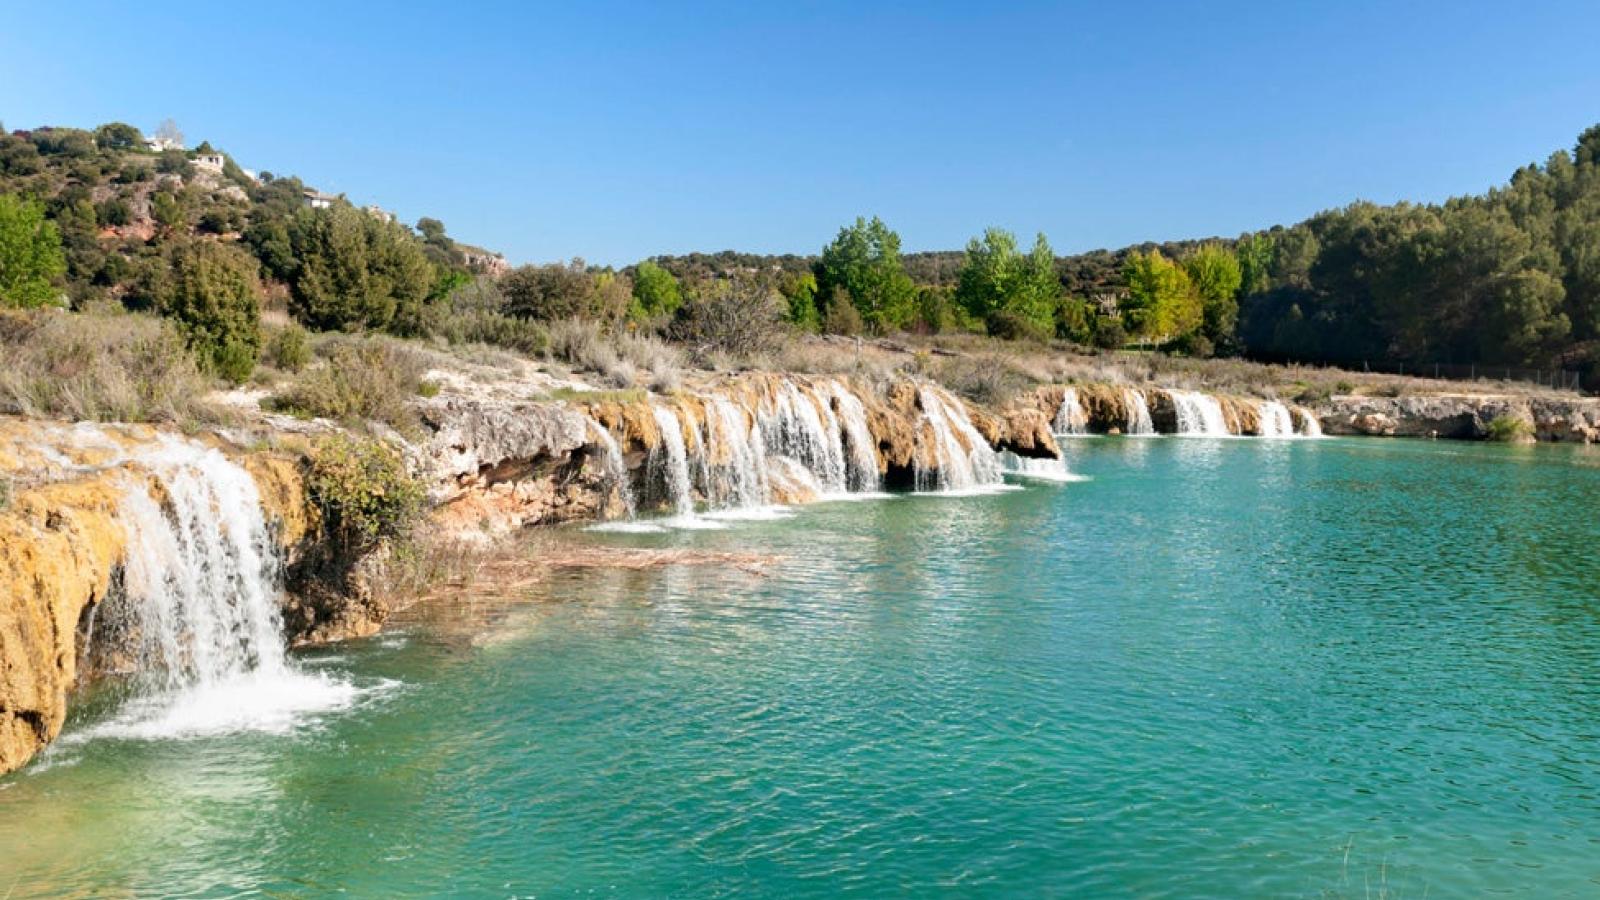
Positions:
{"x": 1220, "y": 668}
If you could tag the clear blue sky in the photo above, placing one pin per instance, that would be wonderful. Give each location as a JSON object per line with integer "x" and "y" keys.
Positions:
{"x": 618, "y": 130}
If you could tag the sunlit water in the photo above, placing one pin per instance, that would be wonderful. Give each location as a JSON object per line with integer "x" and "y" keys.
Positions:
{"x": 1216, "y": 668}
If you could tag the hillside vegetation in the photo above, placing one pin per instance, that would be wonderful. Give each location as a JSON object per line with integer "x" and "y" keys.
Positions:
{"x": 238, "y": 270}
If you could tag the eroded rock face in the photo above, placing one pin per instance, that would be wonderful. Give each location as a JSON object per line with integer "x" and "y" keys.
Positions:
{"x": 1462, "y": 416}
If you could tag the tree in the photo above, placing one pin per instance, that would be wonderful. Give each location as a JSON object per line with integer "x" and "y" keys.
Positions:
{"x": 118, "y": 136}
{"x": 168, "y": 131}
{"x": 212, "y": 296}
{"x": 352, "y": 270}
{"x": 549, "y": 292}
{"x": 799, "y": 289}
{"x": 740, "y": 314}
{"x": 1162, "y": 303}
{"x": 30, "y": 254}
{"x": 1012, "y": 294}
{"x": 1216, "y": 275}
{"x": 655, "y": 292}
{"x": 864, "y": 260}
{"x": 166, "y": 210}
{"x": 1255, "y": 263}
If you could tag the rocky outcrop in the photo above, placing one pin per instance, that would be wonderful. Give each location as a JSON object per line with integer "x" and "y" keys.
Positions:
{"x": 494, "y": 467}
{"x": 1462, "y": 416}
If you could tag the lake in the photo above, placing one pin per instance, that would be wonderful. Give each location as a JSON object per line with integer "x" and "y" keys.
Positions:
{"x": 1335, "y": 668}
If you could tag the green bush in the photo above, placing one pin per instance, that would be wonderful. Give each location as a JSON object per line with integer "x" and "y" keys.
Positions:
{"x": 1509, "y": 429}
{"x": 365, "y": 494}
{"x": 288, "y": 349}
{"x": 1011, "y": 325}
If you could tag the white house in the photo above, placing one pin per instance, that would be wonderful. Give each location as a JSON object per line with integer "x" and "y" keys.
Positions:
{"x": 158, "y": 144}
{"x": 211, "y": 162}
{"x": 319, "y": 200}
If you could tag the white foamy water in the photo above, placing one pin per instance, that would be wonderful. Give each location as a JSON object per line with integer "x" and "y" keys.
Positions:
{"x": 1070, "y": 417}
{"x": 964, "y": 460}
{"x": 616, "y": 468}
{"x": 1198, "y": 414}
{"x": 1139, "y": 423}
{"x": 1275, "y": 421}
{"x": 1309, "y": 426}
{"x": 1053, "y": 470}
{"x": 198, "y": 611}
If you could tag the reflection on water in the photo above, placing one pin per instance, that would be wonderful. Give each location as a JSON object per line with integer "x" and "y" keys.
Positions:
{"x": 1216, "y": 668}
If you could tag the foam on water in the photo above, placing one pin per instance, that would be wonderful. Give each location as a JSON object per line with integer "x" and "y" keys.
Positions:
{"x": 197, "y": 612}
{"x": 1052, "y": 470}
{"x": 268, "y": 702}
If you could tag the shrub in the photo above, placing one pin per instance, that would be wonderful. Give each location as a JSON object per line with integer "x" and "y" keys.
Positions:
{"x": 982, "y": 379}
{"x": 363, "y": 380}
{"x": 732, "y": 315}
{"x": 1010, "y": 325}
{"x": 365, "y": 494}
{"x": 1312, "y": 394}
{"x": 1109, "y": 333}
{"x": 484, "y": 327}
{"x": 558, "y": 291}
{"x": 288, "y": 349}
{"x": 123, "y": 367}
{"x": 1509, "y": 429}
{"x": 841, "y": 316}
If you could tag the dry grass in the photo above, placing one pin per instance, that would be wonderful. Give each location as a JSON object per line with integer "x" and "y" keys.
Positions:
{"x": 360, "y": 380}
{"x": 621, "y": 359}
{"x": 102, "y": 367}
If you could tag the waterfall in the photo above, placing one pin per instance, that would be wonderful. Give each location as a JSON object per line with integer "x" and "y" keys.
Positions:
{"x": 1309, "y": 426}
{"x": 197, "y": 614}
{"x": 1054, "y": 469}
{"x": 1139, "y": 422}
{"x": 742, "y": 482}
{"x": 1070, "y": 418}
{"x": 616, "y": 467}
{"x": 795, "y": 428}
{"x": 673, "y": 461}
{"x": 1274, "y": 420}
{"x": 1198, "y": 414}
{"x": 963, "y": 458}
{"x": 862, "y": 449}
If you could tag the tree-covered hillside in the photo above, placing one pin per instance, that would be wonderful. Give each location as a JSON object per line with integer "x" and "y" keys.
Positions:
{"x": 106, "y": 218}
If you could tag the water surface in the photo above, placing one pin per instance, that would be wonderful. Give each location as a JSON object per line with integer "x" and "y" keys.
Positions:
{"x": 1218, "y": 668}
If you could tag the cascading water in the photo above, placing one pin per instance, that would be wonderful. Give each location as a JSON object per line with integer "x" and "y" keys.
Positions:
{"x": 1198, "y": 414}
{"x": 795, "y": 428}
{"x": 861, "y": 449}
{"x": 1309, "y": 426}
{"x": 1139, "y": 422}
{"x": 1274, "y": 419}
{"x": 742, "y": 481}
{"x": 964, "y": 460}
{"x": 672, "y": 458}
{"x": 197, "y": 615}
{"x": 1070, "y": 418}
{"x": 1038, "y": 469}
{"x": 616, "y": 467}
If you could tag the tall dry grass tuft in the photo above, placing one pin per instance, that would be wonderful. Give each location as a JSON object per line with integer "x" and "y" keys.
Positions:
{"x": 121, "y": 367}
